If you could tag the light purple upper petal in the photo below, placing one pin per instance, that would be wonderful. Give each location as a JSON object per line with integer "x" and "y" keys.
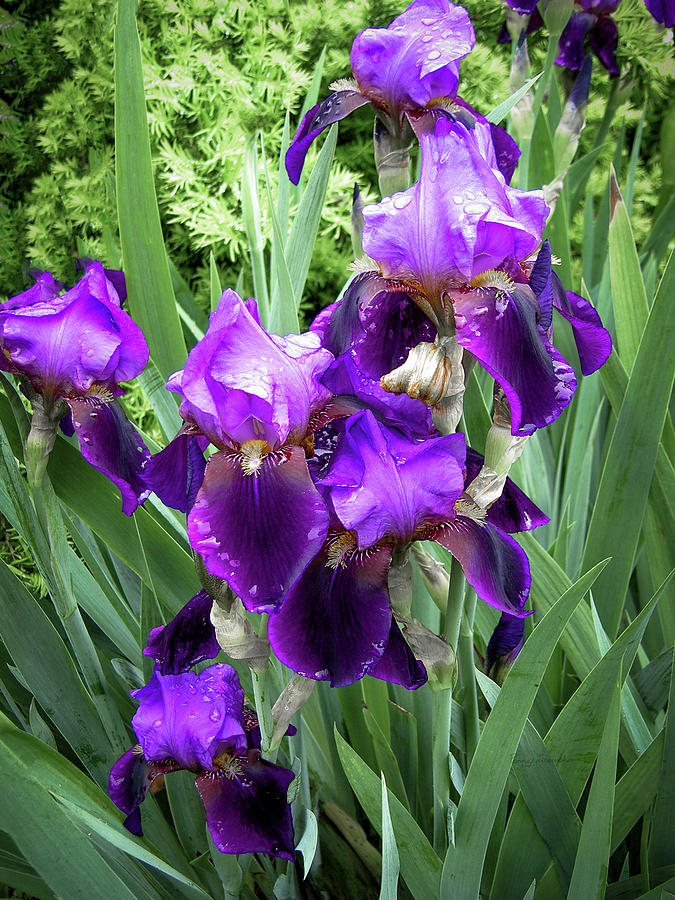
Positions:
{"x": 190, "y": 718}
{"x": 66, "y": 343}
{"x": 502, "y": 331}
{"x": 189, "y": 638}
{"x": 381, "y": 484}
{"x": 416, "y": 59}
{"x": 239, "y": 383}
{"x": 478, "y": 221}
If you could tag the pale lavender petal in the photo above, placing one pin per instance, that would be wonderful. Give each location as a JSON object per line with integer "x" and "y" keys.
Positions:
{"x": 176, "y": 473}
{"x": 246, "y": 806}
{"x": 382, "y": 484}
{"x": 416, "y": 59}
{"x": 316, "y": 120}
{"x": 189, "y": 638}
{"x": 111, "y": 444}
{"x": 501, "y": 330}
{"x": 398, "y": 665}
{"x": 492, "y": 562}
{"x": 190, "y": 718}
{"x": 334, "y": 623}
{"x": 258, "y": 531}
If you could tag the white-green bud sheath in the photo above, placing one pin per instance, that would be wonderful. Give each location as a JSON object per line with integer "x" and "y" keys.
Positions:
{"x": 392, "y": 156}
{"x": 521, "y": 114}
{"x": 433, "y": 373}
{"x": 434, "y": 575}
{"x": 556, "y": 14}
{"x": 438, "y": 657}
{"x": 401, "y": 582}
{"x": 293, "y": 697}
{"x": 40, "y": 440}
{"x": 237, "y": 637}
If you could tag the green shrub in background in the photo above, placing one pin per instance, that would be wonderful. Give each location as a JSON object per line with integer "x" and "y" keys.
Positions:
{"x": 215, "y": 74}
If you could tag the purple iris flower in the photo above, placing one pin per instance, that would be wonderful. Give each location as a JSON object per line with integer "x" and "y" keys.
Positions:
{"x": 410, "y": 66}
{"x": 663, "y": 11}
{"x": 470, "y": 272}
{"x": 254, "y": 514}
{"x": 199, "y": 723}
{"x": 189, "y": 638}
{"x": 384, "y": 492}
{"x": 77, "y": 347}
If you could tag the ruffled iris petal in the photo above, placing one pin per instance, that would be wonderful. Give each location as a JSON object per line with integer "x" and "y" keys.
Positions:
{"x": 316, "y": 120}
{"x": 111, "y": 444}
{"x": 492, "y": 562}
{"x": 190, "y": 718}
{"x": 189, "y": 638}
{"x": 176, "y": 473}
{"x": 501, "y": 330}
{"x": 258, "y": 531}
{"x": 383, "y": 484}
{"x": 594, "y": 342}
{"x": 334, "y": 623}
{"x": 398, "y": 665}
{"x": 246, "y": 807}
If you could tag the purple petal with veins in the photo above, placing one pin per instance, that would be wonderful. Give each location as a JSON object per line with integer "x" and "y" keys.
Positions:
{"x": 189, "y": 638}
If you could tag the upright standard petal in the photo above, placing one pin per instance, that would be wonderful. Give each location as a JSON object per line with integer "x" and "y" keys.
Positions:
{"x": 493, "y": 564}
{"x": 382, "y": 484}
{"x": 257, "y": 521}
{"x": 246, "y": 806}
{"x": 189, "y": 638}
{"x": 111, "y": 444}
{"x": 500, "y": 328}
{"x": 334, "y": 623}
{"x": 416, "y": 59}
{"x": 190, "y": 718}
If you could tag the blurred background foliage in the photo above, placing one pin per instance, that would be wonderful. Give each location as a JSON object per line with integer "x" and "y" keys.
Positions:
{"x": 216, "y": 72}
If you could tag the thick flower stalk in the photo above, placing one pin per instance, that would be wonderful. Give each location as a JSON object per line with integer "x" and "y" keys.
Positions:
{"x": 254, "y": 515}
{"x": 199, "y": 723}
{"x": 385, "y": 492}
{"x": 70, "y": 352}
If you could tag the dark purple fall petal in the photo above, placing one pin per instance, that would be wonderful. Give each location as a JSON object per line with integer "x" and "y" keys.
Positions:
{"x": 524, "y": 7}
{"x": 541, "y": 283}
{"x": 176, "y": 473}
{"x": 258, "y": 531}
{"x": 316, "y": 120}
{"x": 513, "y": 511}
{"x": 382, "y": 484}
{"x": 246, "y": 807}
{"x": 492, "y": 562}
{"x": 663, "y": 11}
{"x": 604, "y": 39}
{"x": 129, "y": 782}
{"x": 111, "y": 444}
{"x": 594, "y": 342}
{"x": 571, "y": 44}
{"x": 505, "y": 644}
{"x": 189, "y": 638}
{"x": 398, "y": 665}
{"x": 501, "y": 330}
{"x": 190, "y": 718}
{"x": 334, "y": 622}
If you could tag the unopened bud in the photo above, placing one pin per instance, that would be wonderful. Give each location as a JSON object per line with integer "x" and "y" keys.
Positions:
{"x": 502, "y": 449}
{"x": 293, "y": 697}
{"x": 357, "y": 223}
{"x": 392, "y": 156}
{"x": 438, "y": 657}
{"x": 556, "y": 14}
{"x": 237, "y": 637}
{"x": 572, "y": 121}
{"x": 434, "y": 575}
{"x": 217, "y": 589}
{"x": 40, "y": 440}
{"x": 401, "y": 583}
{"x": 521, "y": 114}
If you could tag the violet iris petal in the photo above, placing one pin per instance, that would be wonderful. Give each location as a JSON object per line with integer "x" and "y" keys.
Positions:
{"x": 129, "y": 782}
{"x": 382, "y": 484}
{"x": 501, "y": 330}
{"x": 492, "y": 562}
{"x": 246, "y": 807}
{"x": 176, "y": 473}
{"x": 258, "y": 531}
{"x": 594, "y": 342}
{"x": 505, "y": 643}
{"x": 524, "y": 7}
{"x": 316, "y": 120}
{"x": 190, "y": 718}
{"x": 571, "y": 44}
{"x": 414, "y": 60}
{"x": 334, "y": 623}
{"x": 398, "y": 665}
{"x": 484, "y": 225}
{"x": 111, "y": 444}
{"x": 241, "y": 384}
{"x": 513, "y": 511}
{"x": 604, "y": 39}
{"x": 663, "y": 11}
{"x": 189, "y": 638}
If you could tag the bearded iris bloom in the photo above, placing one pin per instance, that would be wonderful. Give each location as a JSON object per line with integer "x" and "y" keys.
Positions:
{"x": 384, "y": 492}
{"x": 199, "y": 723}
{"x": 71, "y": 351}
{"x": 256, "y": 517}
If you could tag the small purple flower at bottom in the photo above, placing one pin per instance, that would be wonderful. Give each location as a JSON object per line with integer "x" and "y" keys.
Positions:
{"x": 199, "y": 723}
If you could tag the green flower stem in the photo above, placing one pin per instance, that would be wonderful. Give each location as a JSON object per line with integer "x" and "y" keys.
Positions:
{"x": 465, "y": 655}
{"x": 453, "y": 614}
